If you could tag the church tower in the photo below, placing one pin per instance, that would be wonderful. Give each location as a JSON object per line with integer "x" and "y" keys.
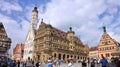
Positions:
{"x": 29, "y": 42}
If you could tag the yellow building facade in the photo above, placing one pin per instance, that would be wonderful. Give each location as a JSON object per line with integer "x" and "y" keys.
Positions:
{"x": 53, "y": 43}
{"x": 107, "y": 45}
{"x": 93, "y": 52}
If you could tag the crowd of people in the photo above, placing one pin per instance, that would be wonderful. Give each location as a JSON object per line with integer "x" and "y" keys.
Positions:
{"x": 103, "y": 62}
{"x": 55, "y": 63}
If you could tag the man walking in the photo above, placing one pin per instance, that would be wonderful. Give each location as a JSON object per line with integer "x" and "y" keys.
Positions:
{"x": 104, "y": 62}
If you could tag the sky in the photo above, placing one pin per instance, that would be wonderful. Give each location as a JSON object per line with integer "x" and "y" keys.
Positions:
{"x": 86, "y": 17}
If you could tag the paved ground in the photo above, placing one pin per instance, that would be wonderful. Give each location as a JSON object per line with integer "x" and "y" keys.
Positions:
{"x": 65, "y": 65}
{"x": 79, "y": 65}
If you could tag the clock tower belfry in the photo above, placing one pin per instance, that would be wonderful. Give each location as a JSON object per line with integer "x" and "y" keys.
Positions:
{"x": 34, "y": 18}
{"x": 70, "y": 34}
{"x": 70, "y": 37}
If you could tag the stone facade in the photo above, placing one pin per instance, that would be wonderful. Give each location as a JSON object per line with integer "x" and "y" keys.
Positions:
{"x": 29, "y": 42}
{"x": 93, "y": 52}
{"x": 53, "y": 43}
{"x": 107, "y": 45}
{"x": 86, "y": 48}
{"x": 18, "y": 52}
{"x": 5, "y": 41}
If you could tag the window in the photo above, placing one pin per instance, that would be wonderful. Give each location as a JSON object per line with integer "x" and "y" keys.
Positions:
{"x": 107, "y": 54}
{"x": 112, "y": 47}
{"x": 78, "y": 57}
{"x": 101, "y": 54}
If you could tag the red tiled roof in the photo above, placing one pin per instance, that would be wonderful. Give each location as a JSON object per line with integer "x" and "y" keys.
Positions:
{"x": 94, "y": 48}
{"x": 58, "y": 33}
{"x": 61, "y": 34}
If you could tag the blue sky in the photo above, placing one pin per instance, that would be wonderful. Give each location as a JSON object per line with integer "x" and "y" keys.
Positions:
{"x": 86, "y": 17}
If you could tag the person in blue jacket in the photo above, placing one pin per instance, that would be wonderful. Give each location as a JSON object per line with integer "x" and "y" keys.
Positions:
{"x": 104, "y": 62}
{"x": 49, "y": 64}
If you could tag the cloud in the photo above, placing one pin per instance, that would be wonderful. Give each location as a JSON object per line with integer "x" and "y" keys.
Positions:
{"x": 86, "y": 18}
{"x": 13, "y": 29}
{"x": 83, "y": 16}
{"x": 9, "y": 7}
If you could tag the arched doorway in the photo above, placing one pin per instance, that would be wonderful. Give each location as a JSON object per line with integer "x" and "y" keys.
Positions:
{"x": 74, "y": 57}
{"x": 54, "y": 55}
{"x": 59, "y": 56}
{"x": 38, "y": 56}
{"x": 67, "y": 56}
{"x": 63, "y": 56}
{"x": 78, "y": 57}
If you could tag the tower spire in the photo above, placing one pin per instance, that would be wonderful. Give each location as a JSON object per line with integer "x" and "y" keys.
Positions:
{"x": 35, "y": 9}
{"x": 104, "y": 28}
{"x": 70, "y": 30}
{"x": 42, "y": 20}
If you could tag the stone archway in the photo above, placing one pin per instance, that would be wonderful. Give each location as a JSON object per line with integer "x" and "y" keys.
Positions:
{"x": 67, "y": 56}
{"x": 54, "y": 55}
{"x": 63, "y": 56}
{"x": 59, "y": 56}
{"x": 38, "y": 56}
{"x": 71, "y": 56}
{"x": 74, "y": 57}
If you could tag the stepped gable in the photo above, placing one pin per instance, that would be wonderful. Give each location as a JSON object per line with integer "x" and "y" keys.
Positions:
{"x": 3, "y": 35}
{"x": 106, "y": 39}
{"x": 2, "y": 30}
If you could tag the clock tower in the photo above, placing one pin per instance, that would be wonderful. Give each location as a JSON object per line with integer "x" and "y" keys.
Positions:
{"x": 29, "y": 42}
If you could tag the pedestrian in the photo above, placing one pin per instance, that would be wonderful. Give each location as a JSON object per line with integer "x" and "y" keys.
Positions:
{"x": 49, "y": 64}
{"x": 104, "y": 62}
{"x": 29, "y": 64}
{"x": 59, "y": 62}
{"x": 88, "y": 62}
{"x": 24, "y": 63}
{"x": 53, "y": 64}
{"x": 37, "y": 64}
{"x": 33, "y": 62}
{"x": 18, "y": 63}
{"x": 84, "y": 64}
{"x": 93, "y": 63}
{"x": 70, "y": 64}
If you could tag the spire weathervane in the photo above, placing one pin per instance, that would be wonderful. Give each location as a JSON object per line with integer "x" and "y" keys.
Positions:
{"x": 104, "y": 28}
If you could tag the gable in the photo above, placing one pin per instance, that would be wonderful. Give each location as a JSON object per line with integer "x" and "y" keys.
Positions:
{"x": 3, "y": 34}
{"x": 106, "y": 40}
{"x": 2, "y": 30}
